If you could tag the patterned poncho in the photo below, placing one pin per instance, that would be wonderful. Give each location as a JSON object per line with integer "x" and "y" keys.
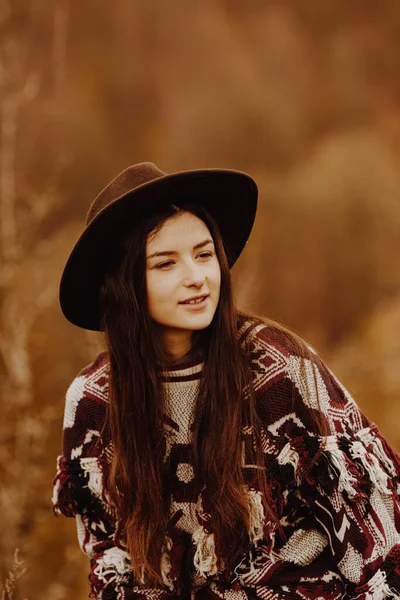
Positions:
{"x": 339, "y": 526}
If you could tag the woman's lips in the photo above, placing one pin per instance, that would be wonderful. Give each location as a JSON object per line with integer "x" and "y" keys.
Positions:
{"x": 197, "y": 304}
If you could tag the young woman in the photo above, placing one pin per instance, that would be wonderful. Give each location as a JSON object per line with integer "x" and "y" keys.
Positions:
{"x": 207, "y": 453}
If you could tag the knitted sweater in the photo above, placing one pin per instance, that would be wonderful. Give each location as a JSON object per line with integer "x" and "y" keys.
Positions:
{"x": 339, "y": 533}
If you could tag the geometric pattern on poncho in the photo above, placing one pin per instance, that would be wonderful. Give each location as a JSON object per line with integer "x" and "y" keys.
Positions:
{"x": 338, "y": 534}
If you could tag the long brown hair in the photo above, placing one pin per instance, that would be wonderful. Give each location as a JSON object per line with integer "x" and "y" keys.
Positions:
{"x": 138, "y": 477}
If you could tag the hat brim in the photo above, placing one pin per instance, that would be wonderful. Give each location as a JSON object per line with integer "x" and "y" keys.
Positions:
{"x": 229, "y": 196}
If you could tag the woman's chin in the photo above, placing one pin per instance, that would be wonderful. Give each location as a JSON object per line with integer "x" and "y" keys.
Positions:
{"x": 195, "y": 322}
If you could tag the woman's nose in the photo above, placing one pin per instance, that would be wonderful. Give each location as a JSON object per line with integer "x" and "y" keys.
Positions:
{"x": 194, "y": 275}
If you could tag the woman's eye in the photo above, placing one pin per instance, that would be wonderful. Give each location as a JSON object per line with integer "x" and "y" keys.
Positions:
{"x": 164, "y": 265}
{"x": 205, "y": 255}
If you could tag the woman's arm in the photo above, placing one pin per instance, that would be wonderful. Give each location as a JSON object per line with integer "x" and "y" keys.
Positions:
{"x": 353, "y": 491}
{"x": 80, "y": 491}
{"x": 336, "y": 491}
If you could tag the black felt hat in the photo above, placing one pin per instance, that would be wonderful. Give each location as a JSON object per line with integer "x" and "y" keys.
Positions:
{"x": 230, "y": 197}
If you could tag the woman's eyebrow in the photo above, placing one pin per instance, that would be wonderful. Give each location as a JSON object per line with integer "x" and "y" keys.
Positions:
{"x": 173, "y": 252}
{"x": 201, "y": 244}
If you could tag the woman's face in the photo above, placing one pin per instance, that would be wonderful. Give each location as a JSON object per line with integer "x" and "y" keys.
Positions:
{"x": 183, "y": 279}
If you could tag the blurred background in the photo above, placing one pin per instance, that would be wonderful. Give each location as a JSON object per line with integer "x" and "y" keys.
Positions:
{"x": 302, "y": 94}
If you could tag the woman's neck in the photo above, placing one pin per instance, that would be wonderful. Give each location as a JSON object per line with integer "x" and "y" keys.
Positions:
{"x": 176, "y": 345}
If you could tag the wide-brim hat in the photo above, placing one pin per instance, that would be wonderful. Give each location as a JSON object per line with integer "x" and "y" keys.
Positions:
{"x": 230, "y": 197}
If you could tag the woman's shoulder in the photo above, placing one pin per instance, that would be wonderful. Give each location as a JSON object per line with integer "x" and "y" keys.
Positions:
{"x": 92, "y": 380}
{"x": 261, "y": 334}
{"x": 289, "y": 378}
{"x": 87, "y": 395}
{"x": 99, "y": 363}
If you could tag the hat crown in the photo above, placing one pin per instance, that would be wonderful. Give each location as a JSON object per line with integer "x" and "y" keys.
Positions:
{"x": 131, "y": 178}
